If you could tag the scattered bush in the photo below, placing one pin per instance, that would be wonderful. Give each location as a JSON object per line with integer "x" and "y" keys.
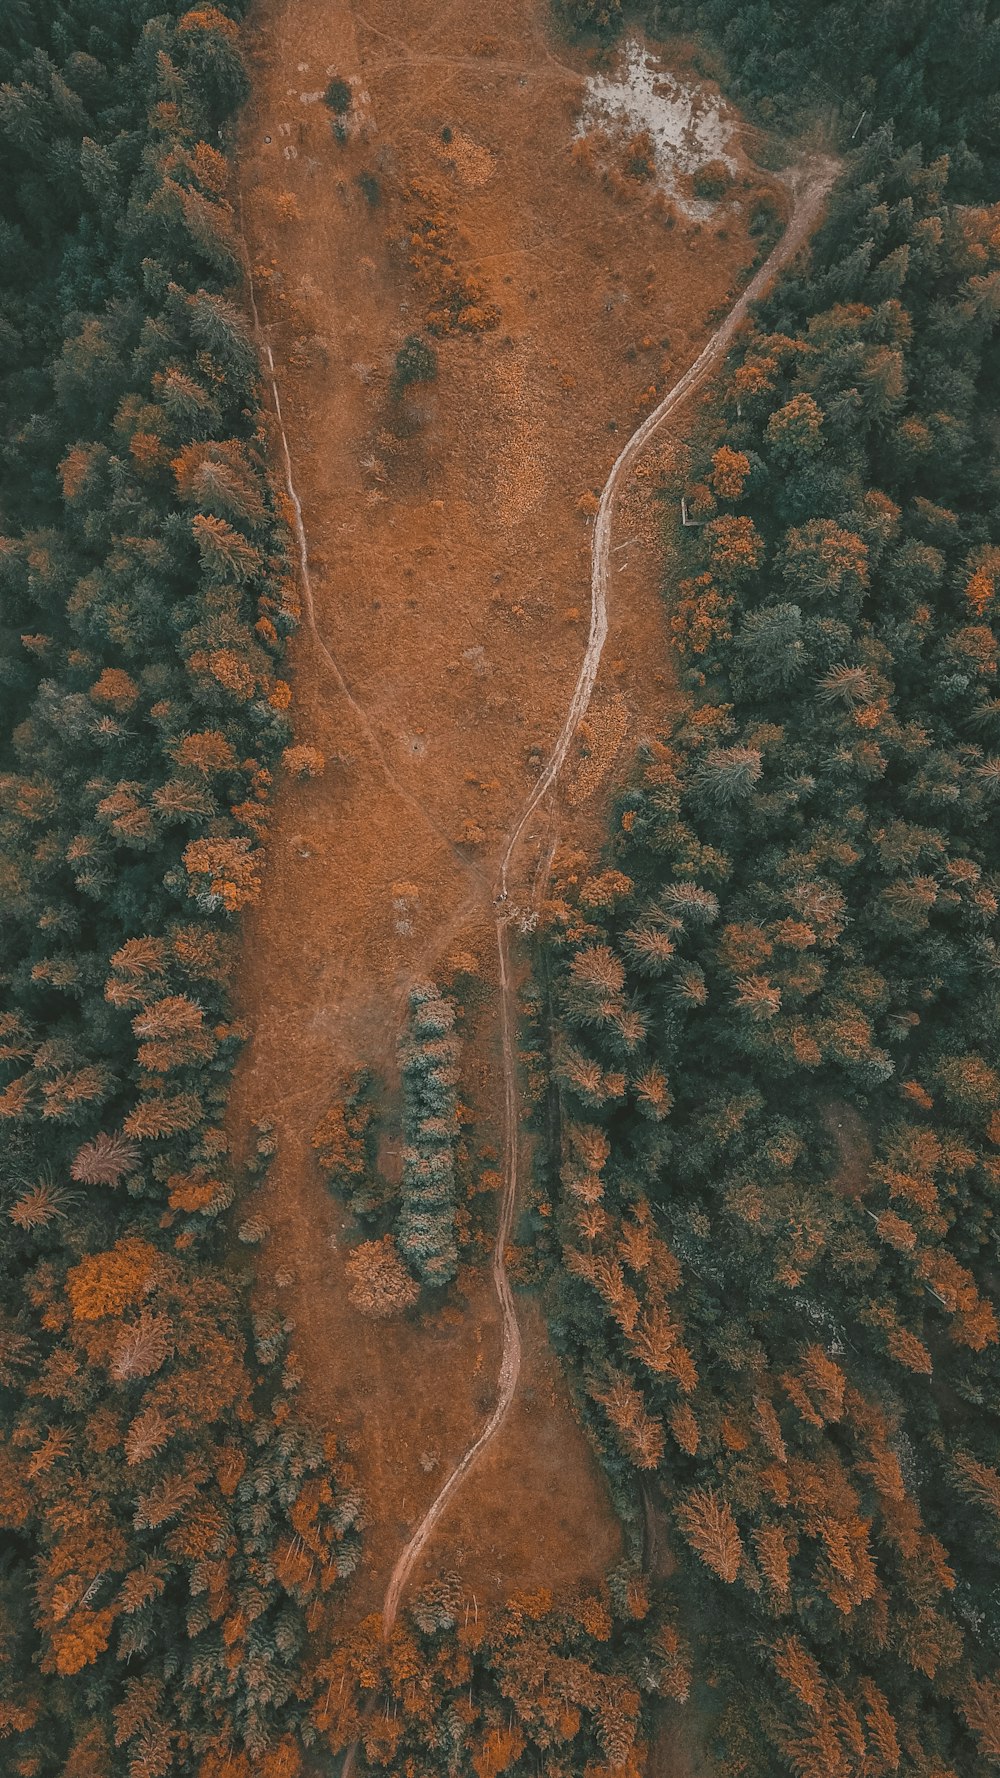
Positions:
{"x": 416, "y": 362}
{"x": 338, "y": 96}
{"x": 304, "y": 761}
{"x": 370, "y": 188}
{"x": 344, "y": 1144}
{"x": 712, "y": 180}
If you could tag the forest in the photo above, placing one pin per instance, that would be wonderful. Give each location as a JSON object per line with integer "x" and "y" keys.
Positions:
{"x": 769, "y": 1134}
{"x": 172, "y": 1533}
{"x": 924, "y": 66}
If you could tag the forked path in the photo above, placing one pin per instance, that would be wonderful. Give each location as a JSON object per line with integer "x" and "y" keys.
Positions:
{"x": 809, "y": 192}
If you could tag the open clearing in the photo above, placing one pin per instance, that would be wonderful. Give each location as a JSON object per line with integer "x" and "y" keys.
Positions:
{"x": 450, "y": 569}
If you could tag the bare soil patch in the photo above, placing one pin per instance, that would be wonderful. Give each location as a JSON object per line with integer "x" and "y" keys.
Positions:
{"x": 450, "y": 564}
{"x": 852, "y": 1141}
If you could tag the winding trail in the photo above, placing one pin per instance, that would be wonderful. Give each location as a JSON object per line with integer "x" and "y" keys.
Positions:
{"x": 808, "y": 198}
{"x": 809, "y": 188}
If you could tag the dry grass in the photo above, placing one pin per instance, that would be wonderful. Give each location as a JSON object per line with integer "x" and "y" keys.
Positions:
{"x": 447, "y": 548}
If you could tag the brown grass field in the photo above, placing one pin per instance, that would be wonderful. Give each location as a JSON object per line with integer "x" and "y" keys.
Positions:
{"x": 450, "y": 565}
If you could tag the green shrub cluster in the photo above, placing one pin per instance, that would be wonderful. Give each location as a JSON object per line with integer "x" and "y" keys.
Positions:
{"x": 429, "y": 1065}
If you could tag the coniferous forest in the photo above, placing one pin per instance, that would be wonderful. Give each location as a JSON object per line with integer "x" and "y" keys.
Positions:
{"x": 776, "y": 1035}
{"x": 159, "y": 1494}
{"x": 768, "y": 1132}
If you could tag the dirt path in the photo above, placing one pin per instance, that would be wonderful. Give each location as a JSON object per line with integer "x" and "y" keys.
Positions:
{"x": 302, "y": 545}
{"x": 510, "y": 1354}
{"x": 510, "y": 1359}
{"x": 809, "y": 193}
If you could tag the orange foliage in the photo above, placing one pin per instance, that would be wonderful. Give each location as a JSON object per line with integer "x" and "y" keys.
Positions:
{"x": 735, "y": 545}
{"x": 230, "y": 670}
{"x": 825, "y": 1381}
{"x": 596, "y": 1619}
{"x": 158, "y": 1116}
{"x": 769, "y": 1427}
{"x": 74, "y": 470}
{"x": 142, "y": 1347}
{"x": 173, "y": 1032}
{"x": 498, "y": 1752}
{"x": 708, "y": 1524}
{"x": 217, "y": 471}
{"x": 125, "y": 813}
{"x": 917, "y": 1094}
{"x": 654, "y": 1340}
{"x": 743, "y": 948}
{"x": 981, "y": 587}
{"x": 978, "y": 1481}
{"x": 733, "y": 1436}
{"x": 115, "y": 687}
{"x": 204, "y": 753}
{"x": 907, "y": 1350}
{"x": 684, "y": 1427}
{"x": 880, "y": 1725}
{"x": 337, "y": 1144}
{"x": 106, "y": 1283}
{"x": 700, "y": 616}
{"x": 380, "y": 1283}
{"x": 640, "y": 1433}
{"x": 229, "y": 866}
{"x": 200, "y": 952}
{"x": 975, "y": 1322}
{"x": 675, "y": 1676}
{"x": 208, "y": 18}
{"x": 194, "y": 1191}
{"x": 146, "y": 450}
{"x": 16, "y": 1098}
{"x": 980, "y": 1705}
{"x": 107, "y": 1160}
{"x": 799, "y": 1670}
{"x": 304, "y": 762}
{"x": 775, "y": 1545}
{"x": 282, "y": 1761}
{"x": 80, "y": 1640}
{"x": 458, "y": 301}
{"x": 139, "y": 959}
{"x": 729, "y": 472}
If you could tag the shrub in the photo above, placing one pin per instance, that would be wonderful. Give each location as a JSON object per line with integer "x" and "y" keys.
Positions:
{"x": 416, "y": 362}
{"x": 712, "y": 180}
{"x": 338, "y": 96}
{"x": 429, "y": 1057}
{"x": 380, "y": 1283}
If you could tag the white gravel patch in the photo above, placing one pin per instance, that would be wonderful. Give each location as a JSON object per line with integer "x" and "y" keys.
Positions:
{"x": 688, "y": 123}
